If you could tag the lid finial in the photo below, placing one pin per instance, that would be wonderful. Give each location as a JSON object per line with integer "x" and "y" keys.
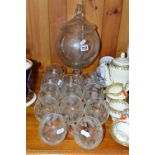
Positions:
{"x": 79, "y": 9}
{"x": 123, "y": 55}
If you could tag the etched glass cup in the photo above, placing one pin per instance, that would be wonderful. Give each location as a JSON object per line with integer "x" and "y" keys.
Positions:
{"x": 47, "y": 92}
{"x": 42, "y": 109}
{"x": 88, "y": 132}
{"x": 98, "y": 108}
{"x": 54, "y": 74}
{"x": 52, "y": 129}
{"x": 92, "y": 90}
{"x": 71, "y": 85}
{"x": 71, "y": 107}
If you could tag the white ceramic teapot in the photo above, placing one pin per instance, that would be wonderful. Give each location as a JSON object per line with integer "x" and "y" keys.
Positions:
{"x": 115, "y": 70}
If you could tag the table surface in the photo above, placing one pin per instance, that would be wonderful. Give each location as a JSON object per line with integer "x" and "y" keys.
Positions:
{"x": 34, "y": 145}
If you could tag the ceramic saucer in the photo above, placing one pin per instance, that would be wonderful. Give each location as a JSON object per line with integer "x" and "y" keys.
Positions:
{"x": 31, "y": 98}
{"x": 120, "y": 132}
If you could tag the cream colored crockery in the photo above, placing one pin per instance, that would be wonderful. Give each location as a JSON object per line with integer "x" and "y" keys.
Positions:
{"x": 116, "y": 71}
{"x": 117, "y": 108}
{"x": 115, "y": 91}
{"x": 119, "y": 131}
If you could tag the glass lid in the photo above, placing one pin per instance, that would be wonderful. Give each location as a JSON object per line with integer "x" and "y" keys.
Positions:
{"x": 78, "y": 23}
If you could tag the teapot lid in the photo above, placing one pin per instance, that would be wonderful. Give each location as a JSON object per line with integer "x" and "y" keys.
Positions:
{"x": 122, "y": 60}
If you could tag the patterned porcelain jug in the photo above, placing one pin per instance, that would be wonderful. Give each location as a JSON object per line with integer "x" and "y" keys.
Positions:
{"x": 116, "y": 70}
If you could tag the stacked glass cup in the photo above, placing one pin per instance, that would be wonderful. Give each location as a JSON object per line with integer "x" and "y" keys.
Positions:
{"x": 66, "y": 103}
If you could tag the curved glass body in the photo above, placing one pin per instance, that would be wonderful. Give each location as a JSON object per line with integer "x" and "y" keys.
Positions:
{"x": 78, "y": 42}
{"x": 52, "y": 129}
{"x": 88, "y": 132}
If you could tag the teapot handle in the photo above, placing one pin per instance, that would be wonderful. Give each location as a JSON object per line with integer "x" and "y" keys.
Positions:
{"x": 106, "y": 60}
